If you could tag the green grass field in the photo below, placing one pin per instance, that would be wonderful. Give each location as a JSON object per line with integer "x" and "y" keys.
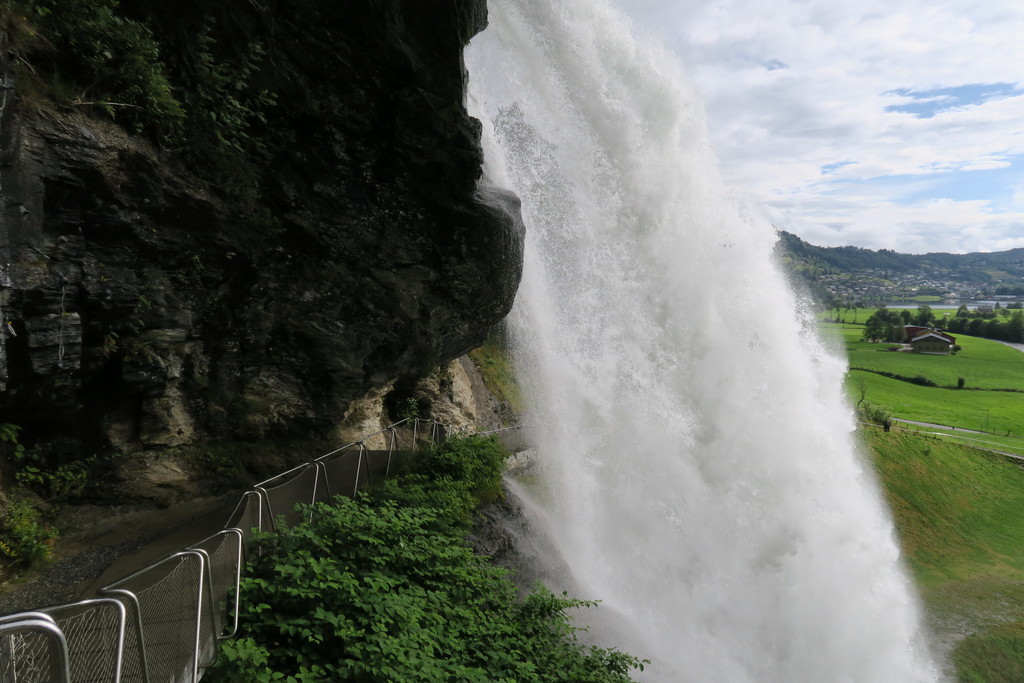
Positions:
{"x": 958, "y": 512}
{"x": 985, "y": 365}
{"x": 997, "y": 412}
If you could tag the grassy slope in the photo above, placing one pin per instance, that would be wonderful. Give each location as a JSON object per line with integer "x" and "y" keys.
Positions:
{"x": 958, "y": 512}
{"x": 958, "y": 509}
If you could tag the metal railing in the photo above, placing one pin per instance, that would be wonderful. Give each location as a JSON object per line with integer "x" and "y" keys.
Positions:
{"x": 163, "y": 622}
{"x": 514, "y": 439}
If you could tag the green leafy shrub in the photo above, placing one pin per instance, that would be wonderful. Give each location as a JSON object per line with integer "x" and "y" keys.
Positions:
{"x": 407, "y": 409}
{"x": 44, "y": 469}
{"x": 386, "y": 587}
{"x": 869, "y": 412}
{"x": 476, "y": 462}
{"x": 111, "y": 62}
{"x": 24, "y": 540}
{"x": 382, "y": 592}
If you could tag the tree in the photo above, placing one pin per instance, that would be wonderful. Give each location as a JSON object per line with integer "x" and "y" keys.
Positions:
{"x": 884, "y": 325}
{"x": 924, "y": 316}
{"x": 1015, "y": 327}
{"x": 993, "y": 329}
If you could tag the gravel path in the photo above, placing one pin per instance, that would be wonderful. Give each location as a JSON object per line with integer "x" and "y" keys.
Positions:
{"x": 102, "y": 545}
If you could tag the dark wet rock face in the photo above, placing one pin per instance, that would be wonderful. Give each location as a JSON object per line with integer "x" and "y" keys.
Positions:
{"x": 145, "y": 309}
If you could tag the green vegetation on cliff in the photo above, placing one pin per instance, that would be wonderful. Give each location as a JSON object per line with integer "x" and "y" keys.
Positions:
{"x": 186, "y": 76}
{"x": 386, "y": 588}
{"x": 494, "y": 360}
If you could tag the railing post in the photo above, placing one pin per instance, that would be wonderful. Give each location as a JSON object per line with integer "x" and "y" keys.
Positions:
{"x": 359, "y": 464}
{"x": 391, "y": 449}
{"x": 44, "y": 625}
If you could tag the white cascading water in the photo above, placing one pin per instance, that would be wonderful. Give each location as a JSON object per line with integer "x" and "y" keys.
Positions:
{"x": 700, "y": 473}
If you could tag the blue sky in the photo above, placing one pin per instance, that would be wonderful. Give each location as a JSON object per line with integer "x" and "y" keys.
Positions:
{"x": 878, "y": 124}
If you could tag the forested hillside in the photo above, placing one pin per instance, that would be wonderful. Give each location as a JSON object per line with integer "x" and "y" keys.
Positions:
{"x": 858, "y": 271}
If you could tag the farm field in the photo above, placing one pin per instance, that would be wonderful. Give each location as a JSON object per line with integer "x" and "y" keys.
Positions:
{"x": 956, "y": 508}
{"x": 983, "y": 363}
{"x": 997, "y": 412}
{"x": 991, "y": 401}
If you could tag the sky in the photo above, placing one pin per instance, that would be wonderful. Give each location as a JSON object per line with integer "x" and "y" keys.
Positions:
{"x": 895, "y": 124}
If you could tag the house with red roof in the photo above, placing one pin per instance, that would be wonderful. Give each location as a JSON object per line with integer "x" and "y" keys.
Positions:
{"x": 928, "y": 340}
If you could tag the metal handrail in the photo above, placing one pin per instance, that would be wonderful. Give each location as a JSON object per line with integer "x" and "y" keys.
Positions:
{"x": 42, "y": 624}
{"x": 117, "y": 594}
{"x": 114, "y": 589}
{"x": 122, "y": 619}
{"x": 239, "y": 562}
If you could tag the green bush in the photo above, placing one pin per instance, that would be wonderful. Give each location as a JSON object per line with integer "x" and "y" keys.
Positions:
{"x": 107, "y": 60}
{"x": 475, "y": 462}
{"x": 869, "y": 412}
{"x": 24, "y": 540}
{"x": 387, "y": 588}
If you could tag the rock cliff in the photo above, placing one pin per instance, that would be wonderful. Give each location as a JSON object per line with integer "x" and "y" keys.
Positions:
{"x": 144, "y": 306}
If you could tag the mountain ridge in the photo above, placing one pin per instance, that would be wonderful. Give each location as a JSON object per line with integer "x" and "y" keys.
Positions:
{"x": 838, "y": 271}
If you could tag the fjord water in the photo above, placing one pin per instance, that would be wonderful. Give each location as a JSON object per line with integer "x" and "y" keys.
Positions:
{"x": 698, "y": 469}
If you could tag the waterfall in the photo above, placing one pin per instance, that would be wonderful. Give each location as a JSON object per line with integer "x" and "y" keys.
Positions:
{"x": 700, "y": 476}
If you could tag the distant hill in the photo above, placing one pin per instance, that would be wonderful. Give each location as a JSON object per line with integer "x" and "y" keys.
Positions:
{"x": 971, "y": 275}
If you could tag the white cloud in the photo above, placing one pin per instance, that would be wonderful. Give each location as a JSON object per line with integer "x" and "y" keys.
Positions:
{"x": 792, "y": 87}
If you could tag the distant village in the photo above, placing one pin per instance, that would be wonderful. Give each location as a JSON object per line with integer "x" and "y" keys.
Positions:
{"x": 872, "y": 286}
{"x": 852, "y": 275}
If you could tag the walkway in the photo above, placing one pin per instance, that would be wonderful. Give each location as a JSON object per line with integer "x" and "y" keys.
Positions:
{"x": 932, "y": 425}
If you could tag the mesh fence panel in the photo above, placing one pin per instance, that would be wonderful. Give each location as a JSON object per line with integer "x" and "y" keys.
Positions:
{"x": 94, "y": 631}
{"x": 344, "y": 473}
{"x": 514, "y": 439}
{"x": 133, "y": 665}
{"x": 247, "y": 516}
{"x": 376, "y": 464}
{"x": 170, "y": 598}
{"x": 206, "y": 648}
{"x": 28, "y": 654}
{"x": 283, "y": 492}
{"x": 224, "y": 564}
